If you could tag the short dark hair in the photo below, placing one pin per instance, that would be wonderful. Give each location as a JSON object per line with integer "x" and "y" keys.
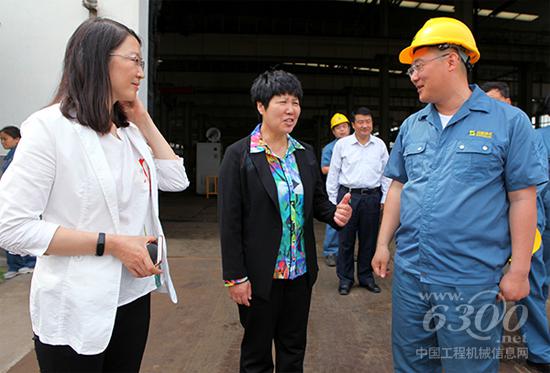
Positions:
{"x": 502, "y": 87}
{"x": 11, "y": 131}
{"x": 362, "y": 110}
{"x": 84, "y": 92}
{"x": 274, "y": 83}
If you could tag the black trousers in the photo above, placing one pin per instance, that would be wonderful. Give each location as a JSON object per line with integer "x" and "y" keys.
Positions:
{"x": 364, "y": 222}
{"x": 123, "y": 354}
{"x": 282, "y": 319}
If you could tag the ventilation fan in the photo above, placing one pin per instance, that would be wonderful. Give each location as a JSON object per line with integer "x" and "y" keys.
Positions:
{"x": 213, "y": 134}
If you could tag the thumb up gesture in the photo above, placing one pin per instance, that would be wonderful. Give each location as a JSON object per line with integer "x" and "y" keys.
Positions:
{"x": 343, "y": 211}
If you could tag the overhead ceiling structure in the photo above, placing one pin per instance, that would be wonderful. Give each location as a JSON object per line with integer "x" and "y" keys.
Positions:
{"x": 206, "y": 54}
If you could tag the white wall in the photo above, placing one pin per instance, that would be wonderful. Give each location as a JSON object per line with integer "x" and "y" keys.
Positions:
{"x": 33, "y": 36}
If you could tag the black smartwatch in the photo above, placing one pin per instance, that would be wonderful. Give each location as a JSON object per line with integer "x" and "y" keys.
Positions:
{"x": 100, "y": 247}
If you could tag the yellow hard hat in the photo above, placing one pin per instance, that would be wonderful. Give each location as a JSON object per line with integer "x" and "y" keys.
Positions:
{"x": 537, "y": 243}
{"x": 338, "y": 119}
{"x": 442, "y": 30}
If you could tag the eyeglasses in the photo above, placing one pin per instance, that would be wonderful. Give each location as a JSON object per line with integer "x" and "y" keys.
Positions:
{"x": 137, "y": 60}
{"x": 418, "y": 66}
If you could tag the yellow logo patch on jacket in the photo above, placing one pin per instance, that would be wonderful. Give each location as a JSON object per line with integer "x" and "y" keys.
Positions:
{"x": 484, "y": 134}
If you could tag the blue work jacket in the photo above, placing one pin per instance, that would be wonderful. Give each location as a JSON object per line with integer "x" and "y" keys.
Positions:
{"x": 454, "y": 225}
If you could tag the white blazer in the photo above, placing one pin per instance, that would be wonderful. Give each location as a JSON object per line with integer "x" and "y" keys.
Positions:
{"x": 60, "y": 172}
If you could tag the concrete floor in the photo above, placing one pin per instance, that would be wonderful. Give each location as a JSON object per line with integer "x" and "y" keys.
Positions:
{"x": 202, "y": 333}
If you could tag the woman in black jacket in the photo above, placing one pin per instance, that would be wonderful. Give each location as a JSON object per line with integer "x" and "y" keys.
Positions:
{"x": 270, "y": 190}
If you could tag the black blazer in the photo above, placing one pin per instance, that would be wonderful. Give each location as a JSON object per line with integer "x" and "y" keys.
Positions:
{"x": 249, "y": 217}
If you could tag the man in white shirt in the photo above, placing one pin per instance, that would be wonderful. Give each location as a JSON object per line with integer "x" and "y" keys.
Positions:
{"x": 357, "y": 166}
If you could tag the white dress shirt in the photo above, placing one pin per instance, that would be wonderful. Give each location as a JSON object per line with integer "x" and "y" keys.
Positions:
{"x": 132, "y": 182}
{"x": 355, "y": 165}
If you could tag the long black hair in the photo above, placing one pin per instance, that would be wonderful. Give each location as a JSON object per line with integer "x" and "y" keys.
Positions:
{"x": 84, "y": 92}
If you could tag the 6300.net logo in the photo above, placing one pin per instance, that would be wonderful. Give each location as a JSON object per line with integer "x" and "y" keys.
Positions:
{"x": 470, "y": 317}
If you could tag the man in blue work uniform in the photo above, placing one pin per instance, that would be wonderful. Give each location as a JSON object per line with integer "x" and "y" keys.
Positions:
{"x": 538, "y": 354}
{"x": 463, "y": 200}
{"x": 339, "y": 126}
{"x": 535, "y": 327}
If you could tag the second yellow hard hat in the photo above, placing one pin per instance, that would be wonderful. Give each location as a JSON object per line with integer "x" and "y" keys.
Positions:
{"x": 337, "y": 119}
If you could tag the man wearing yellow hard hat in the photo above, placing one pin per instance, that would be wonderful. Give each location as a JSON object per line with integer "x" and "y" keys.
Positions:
{"x": 340, "y": 127}
{"x": 531, "y": 310}
{"x": 463, "y": 197}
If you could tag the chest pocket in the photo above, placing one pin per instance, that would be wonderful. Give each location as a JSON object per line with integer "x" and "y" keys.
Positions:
{"x": 473, "y": 159}
{"x": 415, "y": 157}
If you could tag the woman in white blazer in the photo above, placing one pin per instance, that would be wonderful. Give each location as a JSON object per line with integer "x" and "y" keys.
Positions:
{"x": 81, "y": 195}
